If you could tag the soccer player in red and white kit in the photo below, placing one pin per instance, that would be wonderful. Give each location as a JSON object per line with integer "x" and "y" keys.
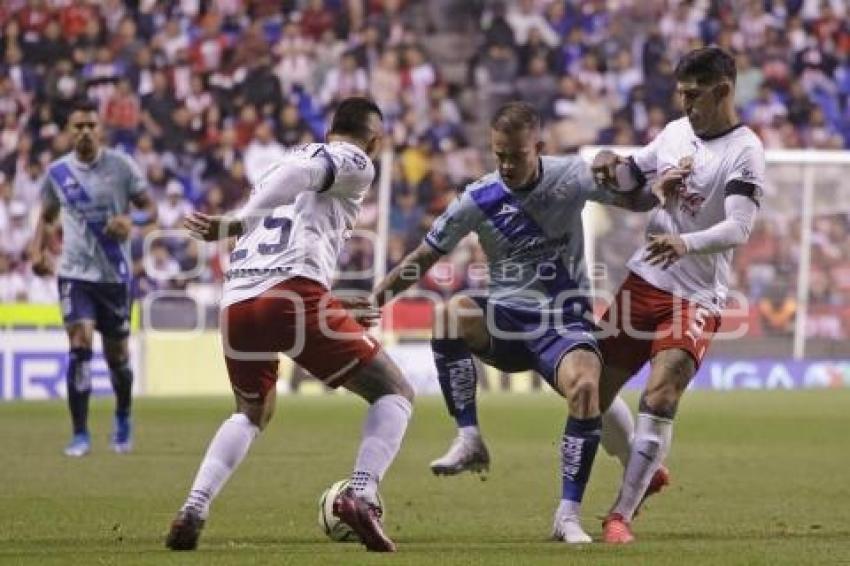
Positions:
{"x": 707, "y": 170}
{"x": 276, "y": 299}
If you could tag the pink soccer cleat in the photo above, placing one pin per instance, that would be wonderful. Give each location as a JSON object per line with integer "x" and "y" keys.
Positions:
{"x": 615, "y": 530}
{"x": 364, "y": 518}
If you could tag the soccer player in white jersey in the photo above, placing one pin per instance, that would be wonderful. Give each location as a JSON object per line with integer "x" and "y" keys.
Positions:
{"x": 707, "y": 171}
{"x": 277, "y": 299}
{"x": 93, "y": 188}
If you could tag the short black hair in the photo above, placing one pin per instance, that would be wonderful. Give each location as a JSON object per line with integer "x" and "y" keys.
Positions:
{"x": 515, "y": 116}
{"x": 351, "y": 117}
{"x": 82, "y": 105}
{"x": 707, "y": 65}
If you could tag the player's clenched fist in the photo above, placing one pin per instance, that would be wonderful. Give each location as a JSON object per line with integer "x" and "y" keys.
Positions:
{"x": 604, "y": 167}
{"x": 118, "y": 227}
{"x": 42, "y": 264}
{"x": 668, "y": 184}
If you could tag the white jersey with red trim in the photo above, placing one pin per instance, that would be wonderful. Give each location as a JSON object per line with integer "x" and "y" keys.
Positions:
{"x": 304, "y": 238}
{"x": 720, "y": 166}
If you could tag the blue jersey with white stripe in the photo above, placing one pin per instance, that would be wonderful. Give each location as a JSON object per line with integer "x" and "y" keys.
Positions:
{"x": 90, "y": 194}
{"x": 533, "y": 238}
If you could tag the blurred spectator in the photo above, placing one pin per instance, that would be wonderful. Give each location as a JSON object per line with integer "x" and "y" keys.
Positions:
{"x": 263, "y": 152}
{"x": 497, "y": 30}
{"x": 406, "y": 218}
{"x": 174, "y": 208}
{"x": 13, "y": 287}
{"x": 525, "y": 17}
{"x": 777, "y": 310}
{"x": 495, "y": 75}
{"x": 385, "y": 85}
{"x": 158, "y": 108}
{"x": 539, "y": 87}
{"x": 346, "y": 79}
{"x": 122, "y": 116}
{"x": 292, "y": 128}
{"x": 765, "y": 108}
{"x": 16, "y": 237}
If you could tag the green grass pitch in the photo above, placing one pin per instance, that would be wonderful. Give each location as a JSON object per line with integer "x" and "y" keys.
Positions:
{"x": 758, "y": 478}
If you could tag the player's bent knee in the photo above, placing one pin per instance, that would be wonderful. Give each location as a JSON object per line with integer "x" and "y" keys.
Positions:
{"x": 583, "y": 389}
{"x": 660, "y": 401}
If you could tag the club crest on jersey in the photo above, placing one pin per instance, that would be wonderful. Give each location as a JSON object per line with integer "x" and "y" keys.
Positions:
{"x": 72, "y": 188}
{"x": 507, "y": 209}
{"x": 690, "y": 202}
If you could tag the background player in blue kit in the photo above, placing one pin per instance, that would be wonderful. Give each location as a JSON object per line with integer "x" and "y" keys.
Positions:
{"x": 537, "y": 313}
{"x": 93, "y": 188}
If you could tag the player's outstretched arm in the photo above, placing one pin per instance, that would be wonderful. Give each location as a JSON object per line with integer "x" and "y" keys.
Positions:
{"x": 282, "y": 184}
{"x": 212, "y": 228}
{"x": 619, "y": 182}
{"x": 411, "y": 269}
{"x": 730, "y": 233}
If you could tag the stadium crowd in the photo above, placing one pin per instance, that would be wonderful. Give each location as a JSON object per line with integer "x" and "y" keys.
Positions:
{"x": 205, "y": 93}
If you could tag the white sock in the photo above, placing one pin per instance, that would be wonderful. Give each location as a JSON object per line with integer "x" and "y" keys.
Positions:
{"x": 383, "y": 431}
{"x": 469, "y": 432}
{"x": 649, "y": 448}
{"x": 618, "y": 429}
{"x": 226, "y": 451}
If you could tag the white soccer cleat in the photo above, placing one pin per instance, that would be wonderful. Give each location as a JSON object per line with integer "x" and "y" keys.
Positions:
{"x": 567, "y": 528}
{"x": 79, "y": 446}
{"x": 465, "y": 454}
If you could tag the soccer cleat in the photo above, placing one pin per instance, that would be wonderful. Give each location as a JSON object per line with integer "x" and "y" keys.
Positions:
{"x": 122, "y": 435}
{"x": 79, "y": 446}
{"x": 364, "y": 518}
{"x": 660, "y": 480}
{"x": 185, "y": 530}
{"x": 615, "y": 530}
{"x": 567, "y": 528}
{"x": 465, "y": 454}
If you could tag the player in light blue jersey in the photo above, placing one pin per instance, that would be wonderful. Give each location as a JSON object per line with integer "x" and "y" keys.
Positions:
{"x": 537, "y": 312}
{"x": 93, "y": 188}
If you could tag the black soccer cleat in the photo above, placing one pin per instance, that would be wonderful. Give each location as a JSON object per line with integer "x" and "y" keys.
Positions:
{"x": 185, "y": 530}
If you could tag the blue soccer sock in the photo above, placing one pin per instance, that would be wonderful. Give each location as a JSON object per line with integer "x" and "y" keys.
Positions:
{"x": 458, "y": 379}
{"x": 121, "y": 376}
{"x": 578, "y": 449}
{"x": 78, "y": 379}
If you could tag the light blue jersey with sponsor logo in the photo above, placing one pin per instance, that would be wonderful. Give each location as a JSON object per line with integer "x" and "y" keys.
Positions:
{"x": 89, "y": 196}
{"x": 533, "y": 238}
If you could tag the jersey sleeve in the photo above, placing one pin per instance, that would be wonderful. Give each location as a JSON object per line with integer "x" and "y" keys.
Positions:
{"x": 747, "y": 176}
{"x": 281, "y": 184}
{"x": 348, "y": 172}
{"x": 460, "y": 218}
{"x": 640, "y": 199}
